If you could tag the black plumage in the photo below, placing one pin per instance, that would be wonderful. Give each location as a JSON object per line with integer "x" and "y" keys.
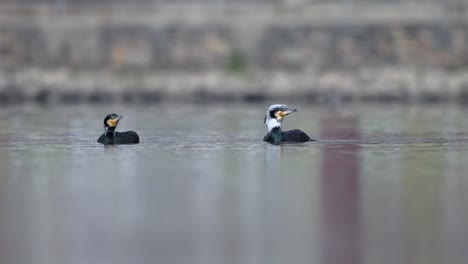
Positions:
{"x": 118, "y": 138}
{"x": 295, "y": 135}
{"x": 111, "y": 137}
{"x": 275, "y": 135}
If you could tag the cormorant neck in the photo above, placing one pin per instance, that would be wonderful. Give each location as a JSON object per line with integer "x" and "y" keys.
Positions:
{"x": 275, "y": 136}
{"x": 273, "y": 123}
{"x": 110, "y": 129}
{"x": 109, "y": 135}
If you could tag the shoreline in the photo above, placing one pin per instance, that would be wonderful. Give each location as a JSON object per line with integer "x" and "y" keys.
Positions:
{"x": 388, "y": 84}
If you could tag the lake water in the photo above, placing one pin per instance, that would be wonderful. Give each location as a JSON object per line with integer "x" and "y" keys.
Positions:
{"x": 384, "y": 184}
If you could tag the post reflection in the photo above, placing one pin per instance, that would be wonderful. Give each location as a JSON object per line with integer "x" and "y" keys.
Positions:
{"x": 341, "y": 212}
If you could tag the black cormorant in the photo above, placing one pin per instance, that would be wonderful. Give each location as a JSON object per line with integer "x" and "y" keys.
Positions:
{"x": 111, "y": 137}
{"x": 273, "y": 118}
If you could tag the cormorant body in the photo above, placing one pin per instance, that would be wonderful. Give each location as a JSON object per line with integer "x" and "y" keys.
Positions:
{"x": 273, "y": 121}
{"x": 118, "y": 138}
{"x": 111, "y": 137}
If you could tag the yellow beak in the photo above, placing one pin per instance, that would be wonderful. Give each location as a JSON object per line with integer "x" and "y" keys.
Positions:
{"x": 287, "y": 112}
{"x": 114, "y": 122}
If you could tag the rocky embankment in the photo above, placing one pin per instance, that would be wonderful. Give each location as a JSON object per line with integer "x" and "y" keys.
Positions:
{"x": 83, "y": 51}
{"x": 382, "y": 84}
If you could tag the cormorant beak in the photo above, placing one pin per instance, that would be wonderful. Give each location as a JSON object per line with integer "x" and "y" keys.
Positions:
{"x": 114, "y": 121}
{"x": 282, "y": 114}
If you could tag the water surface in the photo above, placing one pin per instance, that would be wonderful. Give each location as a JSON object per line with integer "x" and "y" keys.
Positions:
{"x": 383, "y": 184}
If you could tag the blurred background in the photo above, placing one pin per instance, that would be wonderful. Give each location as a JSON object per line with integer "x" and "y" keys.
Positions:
{"x": 146, "y": 50}
{"x": 381, "y": 84}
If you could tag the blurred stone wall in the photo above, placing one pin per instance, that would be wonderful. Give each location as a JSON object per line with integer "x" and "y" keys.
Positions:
{"x": 198, "y": 37}
{"x": 297, "y": 37}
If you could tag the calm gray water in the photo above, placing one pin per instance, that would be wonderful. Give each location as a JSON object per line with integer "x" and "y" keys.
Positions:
{"x": 384, "y": 184}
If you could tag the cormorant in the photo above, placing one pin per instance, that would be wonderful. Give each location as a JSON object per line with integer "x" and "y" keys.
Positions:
{"x": 110, "y": 137}
{"x": 273, "y": 118}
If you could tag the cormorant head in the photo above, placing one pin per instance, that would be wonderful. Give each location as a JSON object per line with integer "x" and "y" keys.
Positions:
{"x": 275, "y": 115}
{"x": 111, "y": 121}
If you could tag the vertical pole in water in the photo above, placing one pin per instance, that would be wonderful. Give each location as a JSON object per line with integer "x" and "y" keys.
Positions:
{"x": 341, "y": 210}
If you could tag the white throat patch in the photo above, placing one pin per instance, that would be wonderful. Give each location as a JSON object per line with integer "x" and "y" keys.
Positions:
{"x": 272, "y": 123}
